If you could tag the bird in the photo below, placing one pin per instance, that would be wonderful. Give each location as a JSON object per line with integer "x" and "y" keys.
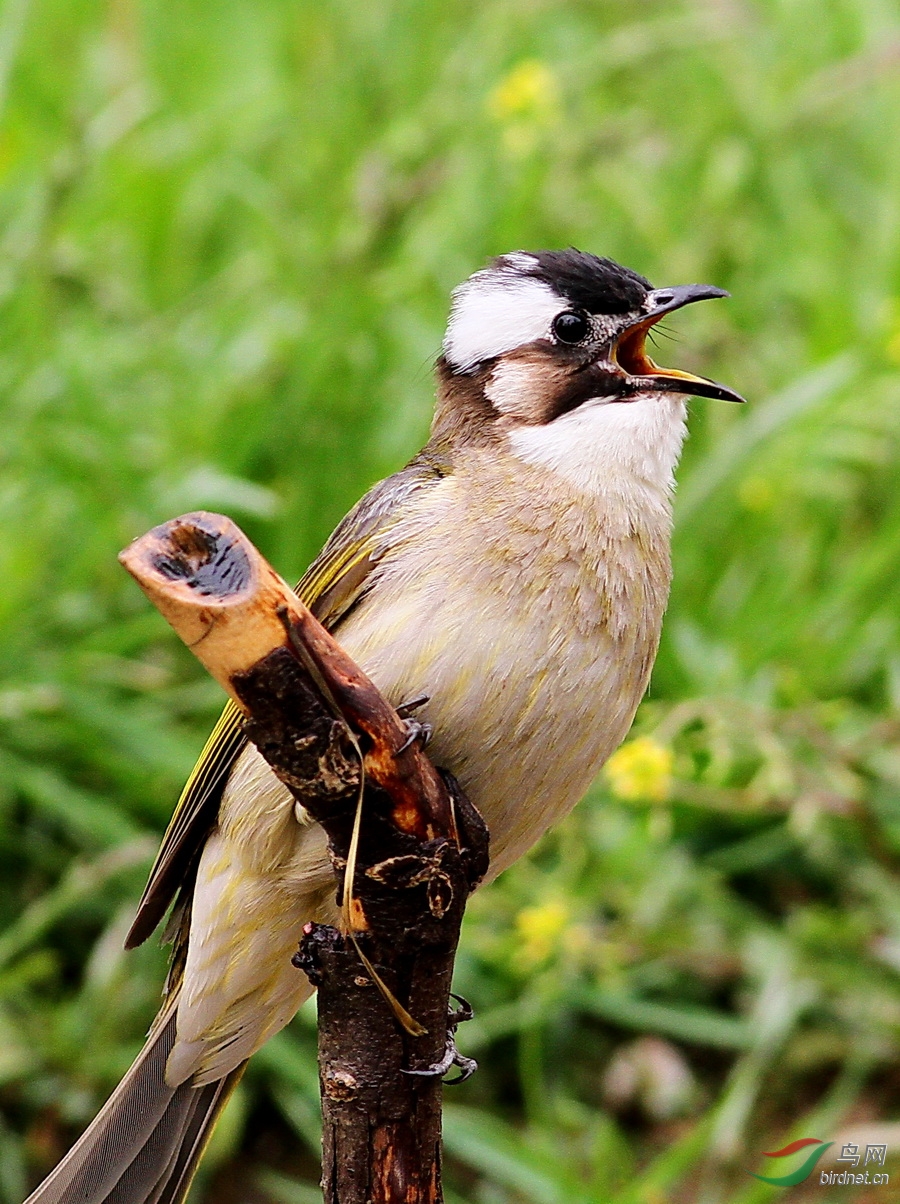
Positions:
{"x": 515, "y": 572}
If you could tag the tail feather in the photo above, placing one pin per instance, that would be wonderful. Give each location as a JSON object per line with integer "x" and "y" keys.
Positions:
{"x": 138, "y": 1179}
{"x": 144, "y": 1145}
{"x": 209, "y": 1103}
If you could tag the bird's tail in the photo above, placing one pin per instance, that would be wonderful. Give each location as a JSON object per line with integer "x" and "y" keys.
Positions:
{"x": 144, "y": 1145}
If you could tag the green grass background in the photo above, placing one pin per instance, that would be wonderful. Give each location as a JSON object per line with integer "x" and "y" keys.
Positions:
{"x": 228, "y": 232}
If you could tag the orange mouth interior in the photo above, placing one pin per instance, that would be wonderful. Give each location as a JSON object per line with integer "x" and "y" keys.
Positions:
{"x": 631, "y": 355}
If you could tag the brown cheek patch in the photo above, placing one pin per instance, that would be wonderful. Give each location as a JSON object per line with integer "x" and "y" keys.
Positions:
{"x": 522, "y": 386}
{"x": 527, "y": 386}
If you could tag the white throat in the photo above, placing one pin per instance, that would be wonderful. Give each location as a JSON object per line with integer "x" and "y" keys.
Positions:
{"x": 608, "y": 447}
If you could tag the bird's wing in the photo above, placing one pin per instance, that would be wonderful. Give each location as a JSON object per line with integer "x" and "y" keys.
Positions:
{"x": 335, "y": 580}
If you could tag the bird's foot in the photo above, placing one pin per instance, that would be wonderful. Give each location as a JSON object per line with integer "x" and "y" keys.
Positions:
{"x": 452, "y": 1056}
{"x": 414, "y": 729}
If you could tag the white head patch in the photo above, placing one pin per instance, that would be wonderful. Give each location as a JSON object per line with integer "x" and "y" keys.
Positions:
{"x": 497, "y": 310}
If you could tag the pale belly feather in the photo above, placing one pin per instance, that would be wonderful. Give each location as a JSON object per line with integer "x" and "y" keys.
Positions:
{"x": 524, "y": 712}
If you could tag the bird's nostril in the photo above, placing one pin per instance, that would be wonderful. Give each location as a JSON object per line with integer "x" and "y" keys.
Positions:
{"x": 663, "y": 298}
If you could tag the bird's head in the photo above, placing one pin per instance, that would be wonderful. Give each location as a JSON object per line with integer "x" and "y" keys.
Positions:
{"x": 543, "y": 343}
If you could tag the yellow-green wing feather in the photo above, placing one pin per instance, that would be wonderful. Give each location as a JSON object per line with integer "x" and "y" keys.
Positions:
{"x": 334, "y": 582}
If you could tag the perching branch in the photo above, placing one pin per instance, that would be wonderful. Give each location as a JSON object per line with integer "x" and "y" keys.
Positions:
{"x": 314, "y": 716}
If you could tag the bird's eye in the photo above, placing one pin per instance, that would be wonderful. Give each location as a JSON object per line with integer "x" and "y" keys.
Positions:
{"x": 571, "y": 326}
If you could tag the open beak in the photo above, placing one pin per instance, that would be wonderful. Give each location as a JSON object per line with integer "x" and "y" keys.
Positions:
{"x": 630, "y": 355}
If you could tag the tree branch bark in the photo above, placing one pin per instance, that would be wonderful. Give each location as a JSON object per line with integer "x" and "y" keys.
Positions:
{"x": 314, "y": 714}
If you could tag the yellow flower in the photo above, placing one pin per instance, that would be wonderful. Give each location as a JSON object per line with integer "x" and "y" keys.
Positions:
{"x": 641, "y": 769}
{"x": 528, "y": 92}
{"x": 540, "y": 928}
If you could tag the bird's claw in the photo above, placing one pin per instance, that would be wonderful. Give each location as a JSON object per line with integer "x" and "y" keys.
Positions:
{"x": 467, "y": 1067}
{"x": 415, "y": 731}
{"x": 464, "y": 1012}
{"x": 438, "y": 1069}
{"x": 452, "y": 1056}
{"x": 405, "y": 709}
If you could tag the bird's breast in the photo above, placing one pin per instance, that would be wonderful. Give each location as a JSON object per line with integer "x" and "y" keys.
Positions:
{"x": 531, "y": 618}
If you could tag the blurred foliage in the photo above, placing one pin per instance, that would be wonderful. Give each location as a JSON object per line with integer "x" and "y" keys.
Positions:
{"x": 227, "y": 236}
